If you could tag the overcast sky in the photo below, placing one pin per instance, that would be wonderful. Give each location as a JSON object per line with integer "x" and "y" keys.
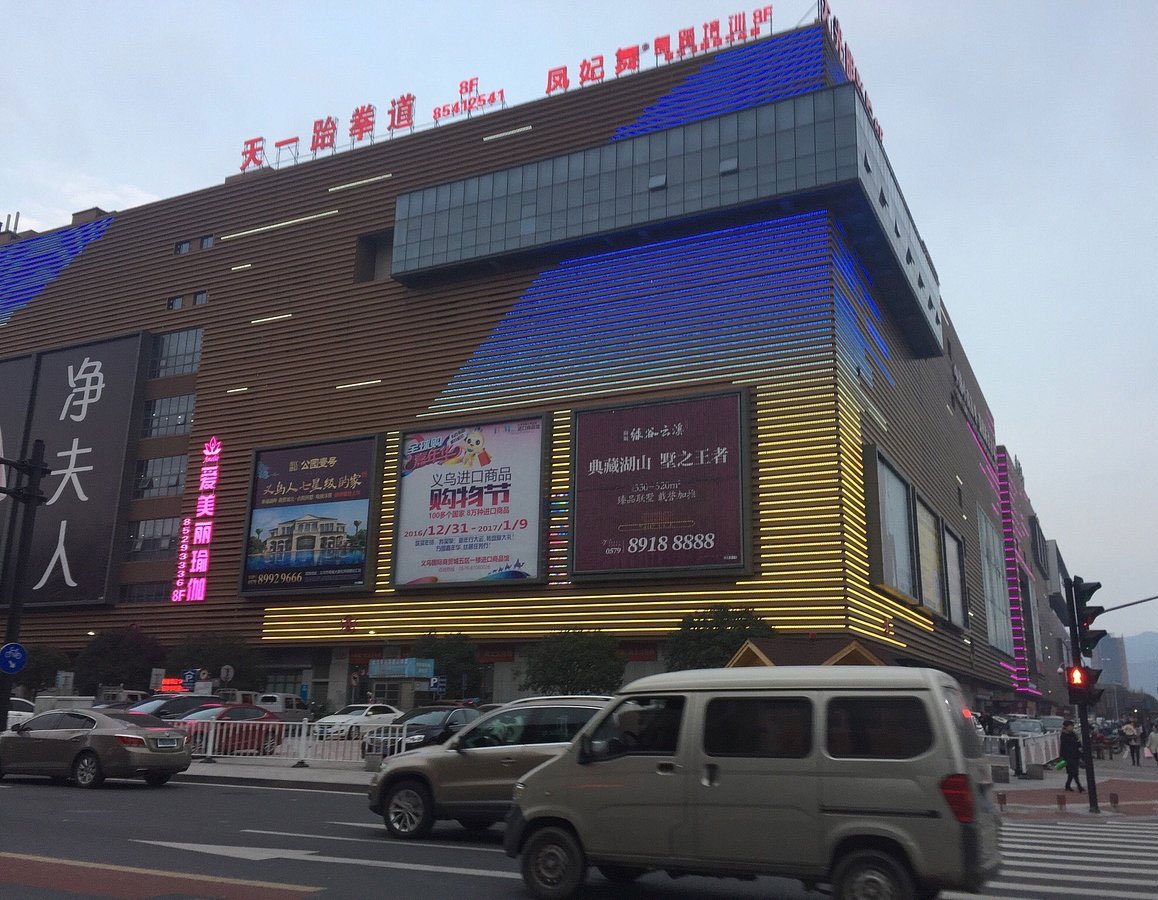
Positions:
{"x": 1024, "y": 137}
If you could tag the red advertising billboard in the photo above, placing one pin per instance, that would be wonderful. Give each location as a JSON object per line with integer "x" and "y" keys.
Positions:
{"x": 659, "y": 487}
{"x": 470, "y": 504}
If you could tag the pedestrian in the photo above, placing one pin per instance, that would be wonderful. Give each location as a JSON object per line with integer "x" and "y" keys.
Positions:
{"x": 1071, "y": 752}
{"x": 1133, "y": 737}
{"x": 1152, "y": 742}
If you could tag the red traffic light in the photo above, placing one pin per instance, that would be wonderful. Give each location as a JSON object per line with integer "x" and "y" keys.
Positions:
{"x": 1076, "y": 676}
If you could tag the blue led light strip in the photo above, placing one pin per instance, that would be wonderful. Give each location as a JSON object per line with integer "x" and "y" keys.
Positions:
{"x": 27, "y": 267}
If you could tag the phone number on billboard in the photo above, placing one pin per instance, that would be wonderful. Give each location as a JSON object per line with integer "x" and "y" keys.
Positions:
{"x": 705, "y": 541}
{"x": 278, "y": 578}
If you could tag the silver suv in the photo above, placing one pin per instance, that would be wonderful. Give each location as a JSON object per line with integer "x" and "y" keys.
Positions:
{"x": 471, "y": 777}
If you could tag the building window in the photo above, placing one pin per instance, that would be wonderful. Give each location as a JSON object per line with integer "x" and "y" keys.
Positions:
{"x": 153, "y": 539}
{"x": 175, "y": 302}
{"x": 373, "y": 256}
{"x": 181, "y": 248}
{"x": 929, "y": 551}
{"x": 167, "y": 416}
{"x": 206, "y": 242}
{"x": 176, "y": 353}
{"x": 998, "y": 623}
{"x": 896, "y": 530}
{"x": 955, "y": 579}
{"x": 772, "y": 728}
{"x": 200, "y": 298}
{"x": 146, "y": 592}
{"x": 160, "y": 477}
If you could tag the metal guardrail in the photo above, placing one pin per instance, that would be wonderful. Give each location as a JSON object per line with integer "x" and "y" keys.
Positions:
{"x": 1023, "y": 750}
{"x": 287, "y": 740}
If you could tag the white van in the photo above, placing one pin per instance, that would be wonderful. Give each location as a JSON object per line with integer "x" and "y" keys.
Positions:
{"x": 290, "y": 707}
{"x": 870, "y": 779}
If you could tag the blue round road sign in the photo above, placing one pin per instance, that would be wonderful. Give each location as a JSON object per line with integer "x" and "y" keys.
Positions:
{"x": 12, "y": 658}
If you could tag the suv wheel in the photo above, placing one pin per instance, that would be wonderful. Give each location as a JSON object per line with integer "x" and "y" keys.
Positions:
{"x": 553, "y": 864}
{"x": 409, "y": 810}
{"x": 871, "y": 875}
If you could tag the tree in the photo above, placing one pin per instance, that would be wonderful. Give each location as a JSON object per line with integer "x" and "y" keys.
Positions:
{"x": 213, "y": 650}
{"x": 456, "y": 657}
{"x": 709, "y": 638}
{"x": 39, "y": 673}
{"x": 574, "y": 662}
{"x": 126, "y": 657}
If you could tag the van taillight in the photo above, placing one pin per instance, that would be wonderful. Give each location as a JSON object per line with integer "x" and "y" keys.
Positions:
{"x": 959, "y": 796}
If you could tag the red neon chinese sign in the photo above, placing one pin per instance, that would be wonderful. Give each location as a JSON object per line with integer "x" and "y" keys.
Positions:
{"x": 470, "y": 99}
{"x": 192, "y": 579}
{"x": 845, "y": 57}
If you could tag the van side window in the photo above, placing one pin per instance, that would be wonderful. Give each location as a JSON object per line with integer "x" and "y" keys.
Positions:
{"x": 878, "y": 728}
{"x": 759, "y": 726}
{"x": 642, "y": 725}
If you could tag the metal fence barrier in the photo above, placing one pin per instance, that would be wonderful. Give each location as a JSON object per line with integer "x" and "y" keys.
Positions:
{"x": 289, "y": 740}
{"x": 1024, "y": 749}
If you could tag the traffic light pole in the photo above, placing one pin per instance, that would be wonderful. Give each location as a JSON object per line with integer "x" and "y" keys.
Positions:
{"x": 12, "y": 584}
{"x": 1083, "y": 707}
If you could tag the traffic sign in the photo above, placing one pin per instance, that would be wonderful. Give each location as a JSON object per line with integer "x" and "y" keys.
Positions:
{"x": 12, "y": 658}
{"x": 189, "y": 679}
{"x": 438, "y": 684}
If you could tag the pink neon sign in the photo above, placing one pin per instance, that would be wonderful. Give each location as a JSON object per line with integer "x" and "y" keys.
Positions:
{"x": 192, "y": 580}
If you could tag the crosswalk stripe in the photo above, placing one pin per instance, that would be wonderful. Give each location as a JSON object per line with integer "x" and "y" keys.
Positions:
{"x": 1045, "y": 876}
{"x": 1102, "y": 845}
{"x": 1080, "y": 892}
{"x": 1080, "y": 867}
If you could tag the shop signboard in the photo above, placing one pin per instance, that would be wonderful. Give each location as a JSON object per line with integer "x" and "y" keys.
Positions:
{"x": 470, "y": 504}
{"x": 660, "y": 487}
{"x": 310, "y": 512}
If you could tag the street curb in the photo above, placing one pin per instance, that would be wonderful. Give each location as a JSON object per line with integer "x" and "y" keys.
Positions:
{"x": 295, "y": 784}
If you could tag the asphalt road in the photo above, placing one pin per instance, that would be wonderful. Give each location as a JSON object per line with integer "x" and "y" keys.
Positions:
{"x": 188, "y": 840}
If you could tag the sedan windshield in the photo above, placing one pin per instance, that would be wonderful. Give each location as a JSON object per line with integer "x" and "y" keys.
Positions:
{"x": 423, "y": 717}
{"x": 351, "y": 710}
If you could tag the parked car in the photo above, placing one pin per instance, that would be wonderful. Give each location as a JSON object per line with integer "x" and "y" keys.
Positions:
{"x": 1022, "y": 726}
{"x": 866, "y": 778}
{"x": 234, "y": 728}
{"x": 350, "y": 721}
{"x": 424, "y": 725}
{"x": 174, "y": 706}
{"x": 90, "y": 745}
{"x": 470, "y": 778}
{"x": 1052, "y": 723}
{"x": 19, "y": 710}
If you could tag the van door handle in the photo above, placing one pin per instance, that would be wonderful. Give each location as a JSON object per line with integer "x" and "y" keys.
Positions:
{"x": 711, "y": 775}
{"x": 666, "y": 768}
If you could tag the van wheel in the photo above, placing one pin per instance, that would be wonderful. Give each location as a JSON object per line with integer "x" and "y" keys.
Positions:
{"x": 409, "y": 810}
{"x": 86, "y": 771}
{"x": 620, "y": 874}
{"x": 553, "y": 864}
{"x": 871, "y": 875}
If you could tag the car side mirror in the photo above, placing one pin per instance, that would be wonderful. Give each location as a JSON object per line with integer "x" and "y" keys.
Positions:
{"x": 18, "y": 727}
{"x": 592, "y": 751}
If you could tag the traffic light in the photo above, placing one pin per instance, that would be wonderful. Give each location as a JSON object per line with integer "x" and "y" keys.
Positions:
{"x": 1081, "y": 681}
{"x": 1087, "y": 637}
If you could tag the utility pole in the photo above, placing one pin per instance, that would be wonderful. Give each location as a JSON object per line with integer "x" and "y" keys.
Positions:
{"x": 1080, "y": 679}
{"x": 27, "y": 492}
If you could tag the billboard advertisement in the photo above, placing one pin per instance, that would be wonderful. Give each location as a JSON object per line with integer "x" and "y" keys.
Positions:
{"x": 660, "y": 487}
{"x": 84, "y": 412}
{"x": 309, "y": 517}
{"x": 470, "y": 504}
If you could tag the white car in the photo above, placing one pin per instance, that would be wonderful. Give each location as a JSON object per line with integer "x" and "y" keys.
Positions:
{"x": 353, "y": 720}
{"x": 19, "y": 711}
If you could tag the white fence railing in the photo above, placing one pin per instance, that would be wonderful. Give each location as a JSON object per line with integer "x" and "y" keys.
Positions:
{"x": 289, "y": 740}
{"x": 1024, "y": 749}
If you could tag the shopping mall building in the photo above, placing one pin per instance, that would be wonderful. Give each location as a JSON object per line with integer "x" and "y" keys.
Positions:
{"x": 664, "y": 341}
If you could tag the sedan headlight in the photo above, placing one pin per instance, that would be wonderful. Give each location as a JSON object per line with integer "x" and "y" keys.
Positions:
{"x": 416, "y": 739}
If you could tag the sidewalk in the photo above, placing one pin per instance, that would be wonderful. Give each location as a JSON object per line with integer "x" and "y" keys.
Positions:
{"x": 350, "y": 777}
{"x": 1134, "y": 787}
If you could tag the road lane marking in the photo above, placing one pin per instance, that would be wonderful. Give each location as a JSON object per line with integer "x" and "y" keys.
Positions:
{"x": 381, "y": 842}
{"x": 256, "y": 854}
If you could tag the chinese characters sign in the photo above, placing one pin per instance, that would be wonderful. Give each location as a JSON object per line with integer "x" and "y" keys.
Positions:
{"x": 192, "y": 579}
{"x": 659, "y": 487}
{"x": 83, "y": 411}
{"x": 309, "y": 517}
{"x": 470, "y": 501}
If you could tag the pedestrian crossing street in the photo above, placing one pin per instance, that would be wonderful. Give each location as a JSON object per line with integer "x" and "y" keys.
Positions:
{"x": 1114, "y": 858}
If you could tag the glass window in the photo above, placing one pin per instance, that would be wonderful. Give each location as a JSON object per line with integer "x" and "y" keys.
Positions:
{"x": 998, "y": 623}
{"x": 929, "y": 550}
{"x": 168, "y": 416}
{"x": 146, "y": 592}
{"x": 955, "y": 579}
{"x": 896, "y": 530}
{"x": 759, "y": 726}
{"x": 963, "y": 723}
{"x": 153, "y": 538}
{"x": 160, "y": 477}
{"x": 47, "y": 722}
{"x": 174, "y": 302}
{"x": 206, "y": 242}
{"x": 241, "y": 713}
{"x": 176, "y": 353}
{"x": 878, "y": 728}
{"x": 71, "y": 721}
{"x": 201, "y": 298}
{"x": 503, "y": 729}
{"x": 557, "y": 724}
{"x": 641, "y": 725}
{"x": 181, "y": 248}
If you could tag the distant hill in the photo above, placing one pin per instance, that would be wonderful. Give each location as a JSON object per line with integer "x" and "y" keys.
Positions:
{"x": 1142, "y": 660}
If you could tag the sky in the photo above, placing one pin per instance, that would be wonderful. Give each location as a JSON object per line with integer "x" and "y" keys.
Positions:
{"x": 1024, "y": 137}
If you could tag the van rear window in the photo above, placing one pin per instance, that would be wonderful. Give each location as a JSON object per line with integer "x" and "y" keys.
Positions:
{"x": 878, "y": 728}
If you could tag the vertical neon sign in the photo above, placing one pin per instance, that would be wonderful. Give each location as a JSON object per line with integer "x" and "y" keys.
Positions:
{"x": 192, "y": 579}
